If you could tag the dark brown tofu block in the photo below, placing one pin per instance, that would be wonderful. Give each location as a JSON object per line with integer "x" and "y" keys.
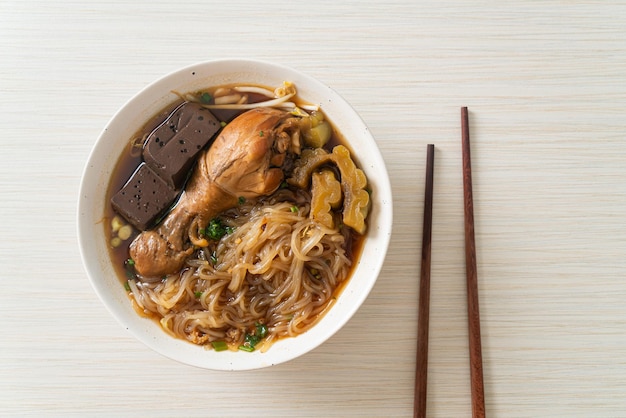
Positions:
{"x": 171, "y": 149}
{"x": 144, "y": 198}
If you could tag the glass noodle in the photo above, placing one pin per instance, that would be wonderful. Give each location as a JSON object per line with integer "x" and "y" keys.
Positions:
{"x": 278, "y": 267}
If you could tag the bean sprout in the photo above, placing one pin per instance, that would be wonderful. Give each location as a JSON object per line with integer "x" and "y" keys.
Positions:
{"x": 234, "y": 98}
{"x": 244, "y": 106}
{"x": 253, "y": 89}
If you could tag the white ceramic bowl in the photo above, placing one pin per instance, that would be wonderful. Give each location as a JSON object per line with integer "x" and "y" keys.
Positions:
{"x": 131, "y": 117}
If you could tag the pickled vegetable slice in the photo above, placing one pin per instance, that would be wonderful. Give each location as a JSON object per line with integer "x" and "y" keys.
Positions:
{"x": 353, "y": 182}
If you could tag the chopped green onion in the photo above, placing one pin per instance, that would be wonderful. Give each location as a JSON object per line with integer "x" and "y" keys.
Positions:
{"x": 261, "y": 330}
{"x": 213, "y": 258}
{"x": 242, "y": 200}
{"x": 126, "y": 286}
{"x": 222, "y": 124}
{"x": 251, "y": 340}
{"x": 215, "y": 230}
{"x": 219, "y": 345}
{"x": 260, "y": 133}
{"x": 129, "y": 269}
{"x": 284, "y": 184}
{"x": 198, "y": 295}
{"x": 205, "y": 98}
{"x": 246, "y": 348}
{"x": 294, "y": 208}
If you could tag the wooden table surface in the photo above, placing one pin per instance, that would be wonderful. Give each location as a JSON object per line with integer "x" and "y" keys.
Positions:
{"x": 545, "y": 84}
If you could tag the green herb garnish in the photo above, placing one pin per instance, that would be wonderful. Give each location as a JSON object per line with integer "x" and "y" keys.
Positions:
{"x": 246, "y": 348}
{"x": 205, "y": 98}
{"x": 252, "y": 339}
{"x": 216, "y": 229}
{"x": 261, "y": 330}
{"x": 129, "y": 268}
{"x": 219, "y": 345}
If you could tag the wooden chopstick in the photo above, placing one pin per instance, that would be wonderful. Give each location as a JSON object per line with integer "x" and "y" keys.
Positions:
{"x": 475, "y": 350}
{"x": 421, "y": 366}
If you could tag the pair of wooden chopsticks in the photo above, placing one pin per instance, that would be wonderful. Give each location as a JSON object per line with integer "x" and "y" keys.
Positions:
{"x": 475, "y": 350}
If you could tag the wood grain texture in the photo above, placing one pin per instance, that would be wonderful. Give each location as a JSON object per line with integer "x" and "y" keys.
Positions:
{"x": 546, "y": 85}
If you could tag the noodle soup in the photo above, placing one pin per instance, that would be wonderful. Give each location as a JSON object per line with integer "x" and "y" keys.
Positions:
{"x": 264, "y": 265}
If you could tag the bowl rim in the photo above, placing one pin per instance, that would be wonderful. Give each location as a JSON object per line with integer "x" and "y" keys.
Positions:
{"x": 183, "y": 351}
